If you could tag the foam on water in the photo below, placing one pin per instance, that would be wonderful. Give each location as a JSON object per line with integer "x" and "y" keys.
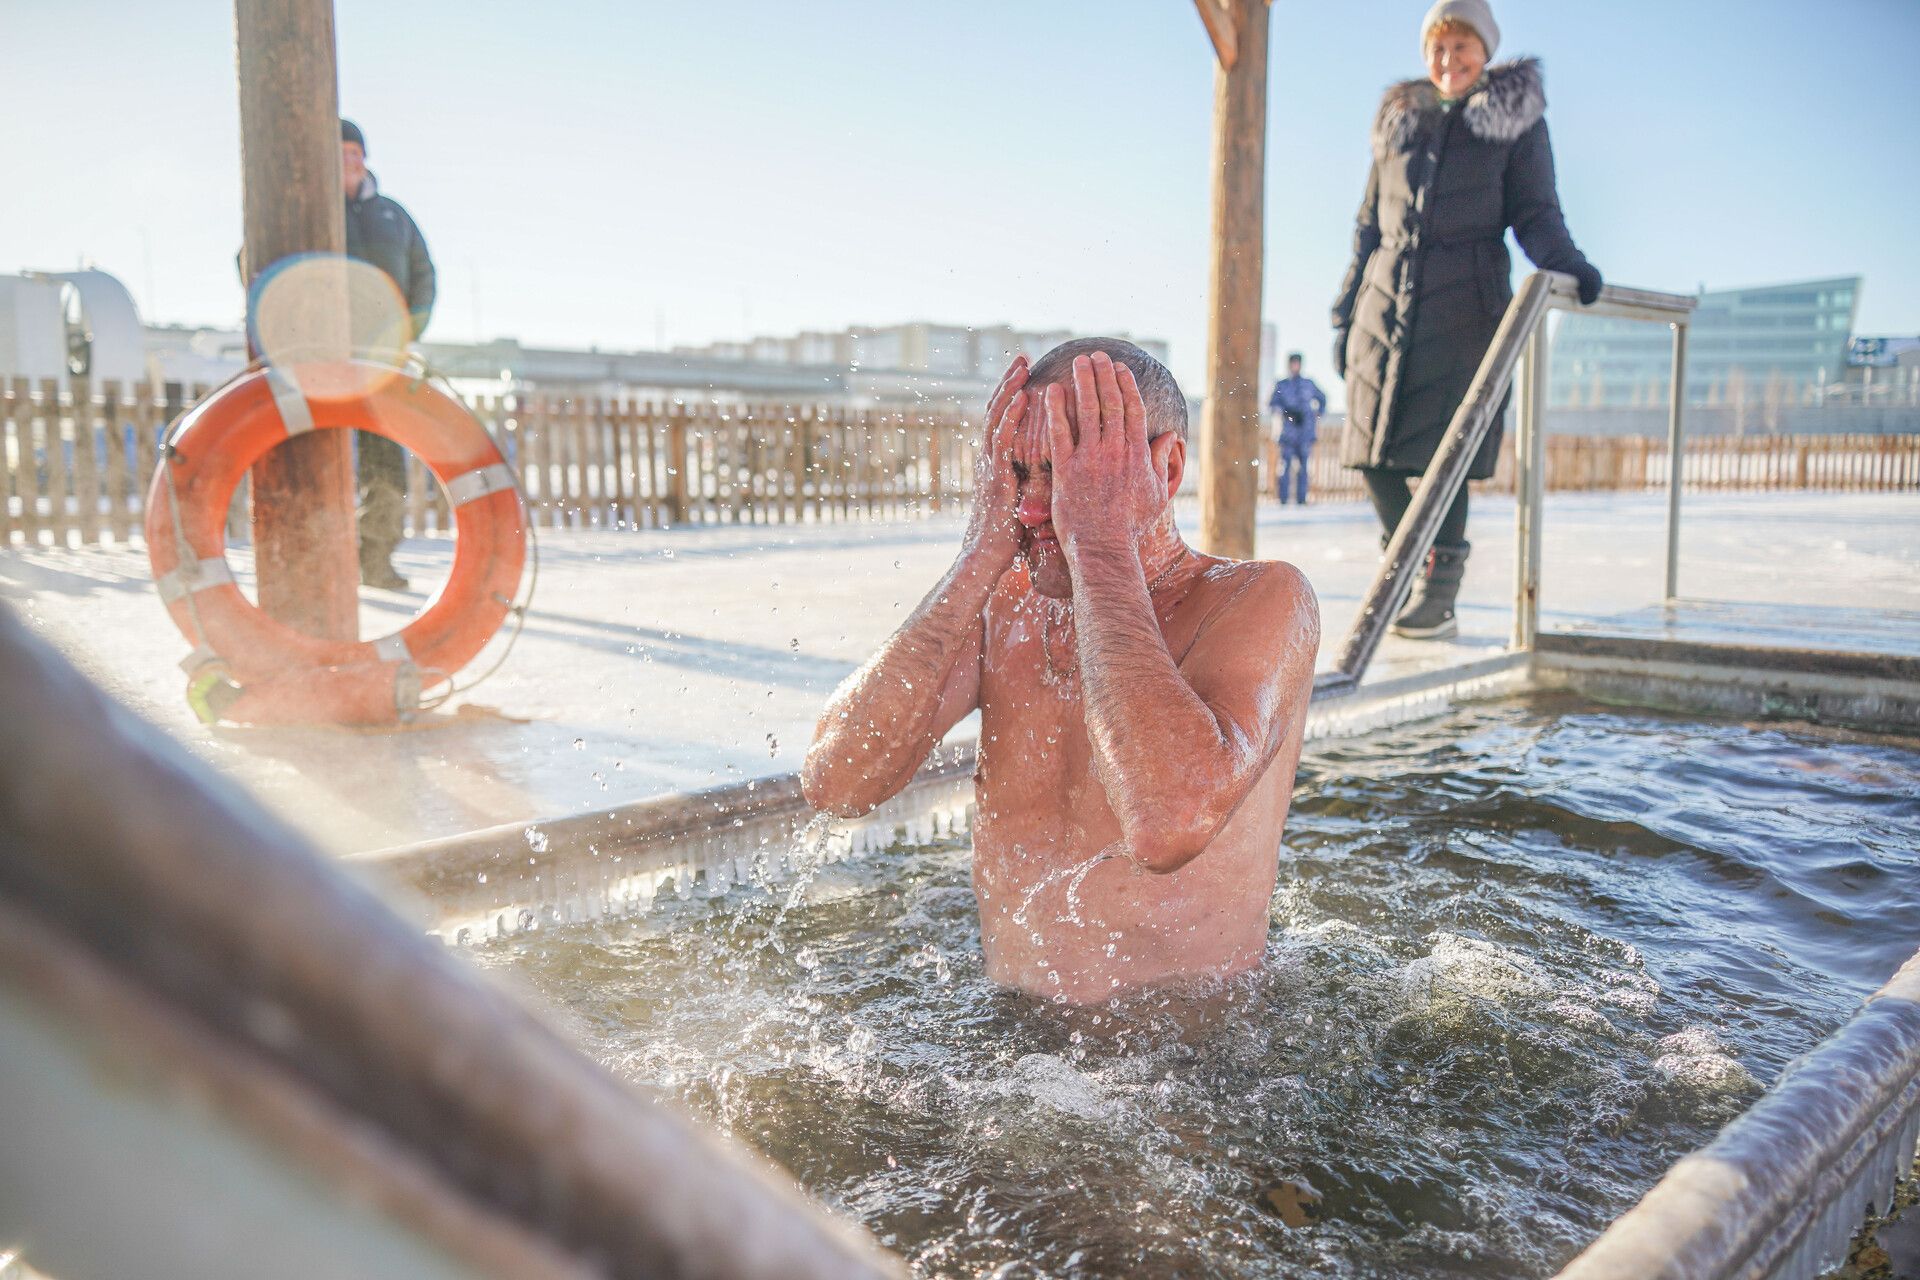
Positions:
{"x": 1695, "y": 1057}
{"x": 1520, "y": 961}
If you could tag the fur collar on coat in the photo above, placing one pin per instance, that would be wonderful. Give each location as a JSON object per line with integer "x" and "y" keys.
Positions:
{"x": 1510, "y": 100}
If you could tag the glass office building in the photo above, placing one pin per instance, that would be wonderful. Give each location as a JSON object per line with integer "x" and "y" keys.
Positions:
{"x": 1791, "y": 338}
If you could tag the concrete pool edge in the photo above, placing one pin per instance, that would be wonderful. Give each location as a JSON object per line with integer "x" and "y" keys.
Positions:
{"x": 1864, "y": 690}
{"x": 526, "y": 850}
{"x": 1875, "y": 692}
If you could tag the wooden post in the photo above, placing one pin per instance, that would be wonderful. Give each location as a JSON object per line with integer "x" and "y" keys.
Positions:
{"x": 1230, "y": 428}
{"x": 303, "y": 492}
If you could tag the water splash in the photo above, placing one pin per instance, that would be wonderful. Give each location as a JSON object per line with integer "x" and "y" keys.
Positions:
{"x": 1072, "y": 876}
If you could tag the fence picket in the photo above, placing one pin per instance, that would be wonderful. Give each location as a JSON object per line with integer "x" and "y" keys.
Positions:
{"x": 15, "y": 468}
{"x": 115, "y": 438}
{"x": 53, "y": 437}
{"x": 86, "y": 464}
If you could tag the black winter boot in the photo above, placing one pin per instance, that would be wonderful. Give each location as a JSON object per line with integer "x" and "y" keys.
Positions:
{"x": 1430, "y": 616}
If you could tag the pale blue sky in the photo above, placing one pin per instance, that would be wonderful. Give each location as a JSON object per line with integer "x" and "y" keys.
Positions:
{"x": 606, "y": 172}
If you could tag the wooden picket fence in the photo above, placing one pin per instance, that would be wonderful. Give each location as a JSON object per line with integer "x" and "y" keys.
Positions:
{"x": 611, "y": 464}
{"x": 1594, "y": 463}
{"x": 77, "y": 459}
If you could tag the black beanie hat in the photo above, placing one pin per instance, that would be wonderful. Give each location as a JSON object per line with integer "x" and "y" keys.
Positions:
{"x": 350, "y": 132}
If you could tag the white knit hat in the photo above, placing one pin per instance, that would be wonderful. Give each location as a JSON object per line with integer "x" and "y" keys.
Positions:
{"x": 1477, "y": 14}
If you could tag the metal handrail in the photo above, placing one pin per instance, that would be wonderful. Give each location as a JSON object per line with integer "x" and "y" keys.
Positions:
{"x": 1522, "y": 332}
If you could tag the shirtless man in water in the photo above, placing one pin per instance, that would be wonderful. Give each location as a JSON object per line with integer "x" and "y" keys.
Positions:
{"x": 1141, "y": 704}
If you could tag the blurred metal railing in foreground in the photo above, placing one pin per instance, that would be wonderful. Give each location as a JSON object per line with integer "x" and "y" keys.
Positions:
{"x": 1522, "y": 334}
{"x": 217, "y": 1048}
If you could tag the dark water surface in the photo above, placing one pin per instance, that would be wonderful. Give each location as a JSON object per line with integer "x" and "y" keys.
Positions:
{"x": 1522, "y": 958}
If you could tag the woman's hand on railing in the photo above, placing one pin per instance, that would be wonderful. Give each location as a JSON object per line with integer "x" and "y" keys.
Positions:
{"x": 1589, "y": 281}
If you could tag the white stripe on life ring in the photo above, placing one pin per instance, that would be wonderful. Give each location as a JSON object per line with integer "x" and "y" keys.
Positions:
{"x": 192, "y": 576}
{"x": 478, "y": 483}
{"x": 392, "y": 648}
{"x": 295, "y": 414}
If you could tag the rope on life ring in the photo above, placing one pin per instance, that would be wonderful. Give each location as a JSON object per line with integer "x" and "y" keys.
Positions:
{"x": 249, "y": 668}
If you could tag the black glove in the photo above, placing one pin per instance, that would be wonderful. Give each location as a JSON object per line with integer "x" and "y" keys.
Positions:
{"x": 1589, "y": 278}
{"x": 1340, "y": 353}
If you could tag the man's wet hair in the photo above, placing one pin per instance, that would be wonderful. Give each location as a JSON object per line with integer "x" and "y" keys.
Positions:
{"x": 1166, "y": 403}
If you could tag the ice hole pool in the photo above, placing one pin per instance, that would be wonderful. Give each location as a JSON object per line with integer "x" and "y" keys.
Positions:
{"x": 1522, "y": 957}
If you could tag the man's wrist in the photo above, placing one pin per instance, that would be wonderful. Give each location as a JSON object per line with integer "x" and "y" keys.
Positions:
{"x": 1105, "y": 547}
{"x": 980, "y": 558}
{"x": 986, "y": 544}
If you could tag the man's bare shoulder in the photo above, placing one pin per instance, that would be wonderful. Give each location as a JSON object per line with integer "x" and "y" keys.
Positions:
{"x": 1256, "y": 648}
{"x": 1270, "y": 597}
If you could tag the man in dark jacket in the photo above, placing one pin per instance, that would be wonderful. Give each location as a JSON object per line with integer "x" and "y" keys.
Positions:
{"x": 1429, "y": 278}
{"x": 379, "y": 231}
{"x": 1296, "y": 404}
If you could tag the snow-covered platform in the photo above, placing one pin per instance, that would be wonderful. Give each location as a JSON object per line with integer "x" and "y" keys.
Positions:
{"x": 661, "y": 662}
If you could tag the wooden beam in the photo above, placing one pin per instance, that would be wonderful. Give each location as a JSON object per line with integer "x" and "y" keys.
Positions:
{"x": 1217, "y": 17}
{"x": 303, "y": 492}
{"x": 1230, "y": 427}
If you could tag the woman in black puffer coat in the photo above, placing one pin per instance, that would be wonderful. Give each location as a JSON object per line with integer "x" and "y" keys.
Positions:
{"x": 1457, "y": 159}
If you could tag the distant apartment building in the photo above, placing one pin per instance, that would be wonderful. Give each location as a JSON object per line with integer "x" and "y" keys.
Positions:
{"x": 1786, "y": 343}
{"x": 55, "y": 325}
{"x": 964, "y": 352}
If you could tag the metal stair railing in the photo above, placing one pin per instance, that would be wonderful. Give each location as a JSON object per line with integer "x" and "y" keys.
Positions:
{"x": 1522, "y": 334}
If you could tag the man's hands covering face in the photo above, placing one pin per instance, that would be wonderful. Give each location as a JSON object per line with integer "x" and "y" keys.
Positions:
{"x": 993, "y": 527}
{"x": 1108, "y": 486}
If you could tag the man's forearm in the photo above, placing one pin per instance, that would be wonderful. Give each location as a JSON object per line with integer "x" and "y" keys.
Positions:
{"x": 1149, "y": 730}
{"x": 880, "y": 722}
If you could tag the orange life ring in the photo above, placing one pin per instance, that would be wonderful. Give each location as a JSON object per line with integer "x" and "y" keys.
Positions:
{"x": 216, "y": 444}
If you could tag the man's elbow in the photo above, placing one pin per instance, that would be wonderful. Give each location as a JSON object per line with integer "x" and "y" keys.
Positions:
{"x": 836, "y": 787}
{"x": 1163, "y": 857}
{"x": 1163, "y": 843}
